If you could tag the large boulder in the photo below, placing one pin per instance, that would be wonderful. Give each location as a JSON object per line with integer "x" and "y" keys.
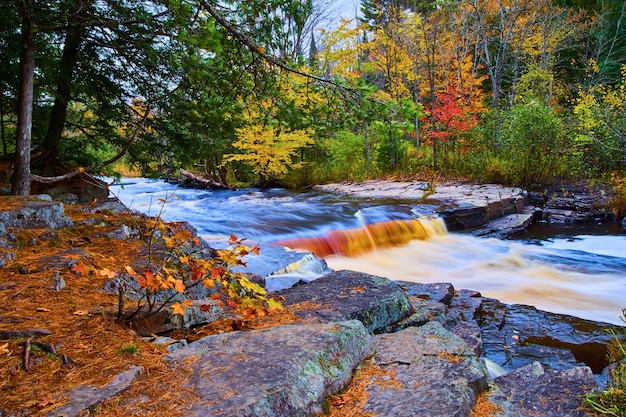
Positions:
{"x": 34, "y": 212}
{"x": 433, "y": 373}
{"x": 346, "y": 295}
{"x": 282, "y": 371}
{"x": 534, "y": 391}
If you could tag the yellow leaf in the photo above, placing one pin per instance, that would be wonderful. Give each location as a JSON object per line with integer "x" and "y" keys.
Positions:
{"x": 81, "y": 313}
{"x": 274, "y": 304}
{"x": 4, "y": 349}
{"x": 106, "y": 272}
{"x": 177, "y": 308}
{"x": 179, "y": 286}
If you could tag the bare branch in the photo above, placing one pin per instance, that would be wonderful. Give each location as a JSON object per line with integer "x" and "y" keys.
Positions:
{"x": 258, "y": 50}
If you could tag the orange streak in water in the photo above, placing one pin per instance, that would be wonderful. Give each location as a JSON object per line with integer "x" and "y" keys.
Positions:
{"x": 355, "y": 242}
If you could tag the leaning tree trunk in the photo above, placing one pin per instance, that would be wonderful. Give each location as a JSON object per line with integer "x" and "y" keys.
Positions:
{"x": 21, "y": 178}
{"x": 52, "y": 141}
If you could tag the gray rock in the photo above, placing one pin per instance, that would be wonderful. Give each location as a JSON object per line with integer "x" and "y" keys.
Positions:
{"x": 6, "y": 258}
{"x": 438, "y": 292}
{"x": 517, "y": 335}
{"x": 534, "y": 391}
{"x": 36, "y": 214}
{"x": 434, "y": 374}
{"x": 172, "y": 345}
{"x": 200, "y": 312}
{"x": 282, "y": 371}
{"x": 84, "y": 397}
{"x": 123, "y": 233}
{"x": 511, "y": 224}
{"x": 345, "y": 295}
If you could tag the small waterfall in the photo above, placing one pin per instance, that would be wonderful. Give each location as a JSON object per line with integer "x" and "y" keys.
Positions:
{"x": 307, "y": 268}
{"x": 309, "y": 263}
{"x": 356, "y": 242}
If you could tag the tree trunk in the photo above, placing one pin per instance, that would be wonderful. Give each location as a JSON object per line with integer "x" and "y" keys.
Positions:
{"x": 52, "y": 141}
{"x": 4, "y": 139}
{"x": 367, "y": 145}
{"x": 21, "y": 179}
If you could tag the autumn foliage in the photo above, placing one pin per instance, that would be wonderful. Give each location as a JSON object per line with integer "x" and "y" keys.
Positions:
{"x": 178, "y": 261}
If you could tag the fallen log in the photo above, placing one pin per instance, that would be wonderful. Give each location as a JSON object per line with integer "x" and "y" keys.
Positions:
{"x": 15, "y": 334}
{"x": 204, "y": 182}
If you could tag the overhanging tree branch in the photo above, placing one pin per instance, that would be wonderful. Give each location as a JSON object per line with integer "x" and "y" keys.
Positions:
{"x": 258, "y": 50}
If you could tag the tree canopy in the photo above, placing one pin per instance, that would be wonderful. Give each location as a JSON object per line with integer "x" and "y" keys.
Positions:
{"x": 421, "y": 85}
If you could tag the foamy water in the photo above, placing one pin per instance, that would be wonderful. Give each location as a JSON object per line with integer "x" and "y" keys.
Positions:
{"x": 548, "y": 277}
{"x": 584, "y": 276}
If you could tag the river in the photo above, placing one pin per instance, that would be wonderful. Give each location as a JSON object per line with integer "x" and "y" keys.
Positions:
{"x": 578, "y": 271}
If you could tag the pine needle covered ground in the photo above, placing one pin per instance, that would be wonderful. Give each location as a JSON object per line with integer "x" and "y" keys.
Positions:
{"x": 90, "y": 346}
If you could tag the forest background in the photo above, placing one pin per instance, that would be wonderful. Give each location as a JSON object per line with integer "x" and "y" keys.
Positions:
{"x": 266, "y": 92}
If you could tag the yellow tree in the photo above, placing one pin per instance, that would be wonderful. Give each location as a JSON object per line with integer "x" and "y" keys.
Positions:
{"x": 341, "y": 52}
{"x": 270, "y": 152}
{"x": 390, "y": 58}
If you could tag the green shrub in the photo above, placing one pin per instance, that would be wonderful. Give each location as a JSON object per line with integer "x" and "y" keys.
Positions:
{"x": 612, "y": 401}
{"x": 525, "y": 145}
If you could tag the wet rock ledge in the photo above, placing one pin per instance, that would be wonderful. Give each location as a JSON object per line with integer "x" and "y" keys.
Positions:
{"x": 427, "y": 340}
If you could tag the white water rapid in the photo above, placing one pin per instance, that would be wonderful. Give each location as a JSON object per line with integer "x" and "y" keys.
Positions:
{"x": 583, "y": 275}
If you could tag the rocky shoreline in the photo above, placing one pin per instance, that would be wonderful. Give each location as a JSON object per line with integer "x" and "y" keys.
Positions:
{"x": 430, "y": 343}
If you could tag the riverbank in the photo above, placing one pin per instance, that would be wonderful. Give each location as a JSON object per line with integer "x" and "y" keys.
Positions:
{"x": 99, "y": 352}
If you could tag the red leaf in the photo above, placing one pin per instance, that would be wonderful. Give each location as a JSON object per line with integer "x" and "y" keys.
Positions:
{"x": 218, "y": 273}
{"x": 80, "y": 268}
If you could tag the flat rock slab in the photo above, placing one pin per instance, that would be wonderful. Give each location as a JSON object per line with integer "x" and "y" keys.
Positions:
{"x": 463, "y": 206}
{"x": 379, "y": 189}
{"x": 32, "y": 213}
{"x": 282, "y": 371}
{"x": 433, "y": 373}
{"x": 476, "y": 195}
{"x": 527, "y": 390}
{"x": 84, "y": 397}
{"x": 518, "y": 335}
{"x": 508, "y": 225}
{"x": 346, "y": 295}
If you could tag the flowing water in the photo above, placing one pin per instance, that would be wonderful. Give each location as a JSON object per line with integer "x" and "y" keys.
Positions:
{"x": 581, "y": 271}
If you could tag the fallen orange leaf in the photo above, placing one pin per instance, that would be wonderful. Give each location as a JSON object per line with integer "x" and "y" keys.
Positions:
{"x": 81, "y": 313}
